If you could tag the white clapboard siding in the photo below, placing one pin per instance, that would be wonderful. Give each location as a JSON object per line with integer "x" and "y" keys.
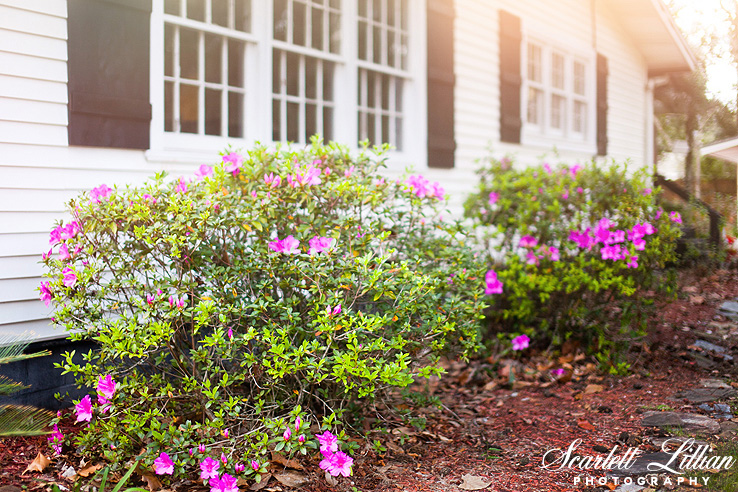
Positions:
{"x": 13, "y": 245}
{"x": 17, "y": 289}
{"x": 37, "y": 331}
{"x": 32, "y": 133}
{"x": 51, "y": 23}
{"x": 57, "y": 8}
{"x": 28, "y": 111}
{"x": 21, "y": 267}
{"x": 15, "y": 200}
{"x": 25, "y": 43}
{"x": 20, "y": 311}
{"x": 34, "y": 89}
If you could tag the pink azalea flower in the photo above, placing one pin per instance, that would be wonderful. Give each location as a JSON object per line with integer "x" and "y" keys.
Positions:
{"x": 230, "y": 337}
{"x": 149, "y": 198}
{"x": 150, "y": 299}
{"x": 234, "y": 163}
{"x": 47, "y": 255}
{"x": 658, "y": 214}
{"x": 70, "y": 230}
{"x": 558, "y": 372}
{"x": 204, "y": 171}
{"x": 639, "y": 244}
{"x": 565, "y": 195}
{"x": 226, "y": 433}
{"x": 226, "y": 483}
{"x": 45, "y": 293}
{"x": 647, "y": 191}
{"x": 240, "y": 467}
{"x": 181, "y": 185}
{"x": 176, "y": 301}
{"x": 493, "y": 197}
{"x": 287, "y": 245}
{"x": 520, "y": 342}
{"x": 583, "y": 239}
{"x": 201, "y": 448}
{"x": 83, "y": 409}
{"x": 70, "y": 278}
{"x": 301, "y": 438}
{"x": 106, "y": 388}
{"x": 270, "y": 178}
{"x": 493, "y": 284}
{"x": 306, "y": 176}
{"x": 675, "y": 217}
{"x": 616, "y": 237}
{"x": 319, "y": 244}
{"x": 328, "y": 442}
{"x": 580, "y": 190}
{"x": 298, "y": 423}
{"x": 223, "y": 458}
{"x": 438, "y": 191}
{"x": 547, "y": 167}
{"x": 531, "y": 258}
{"x": 648, "y": 229}
{"x": 528, "y": 242}
{"x": 163, "y": 465}
{"x": 327, "y": 171}
{"x": 337, "y": 464}
{"x": 348, "y": 172}
{"x": 55, "y": 235}
{"x": 255, "y": 465}
{"x": 574, "y": 170}
{"x": 209, "y": 468}
{"x": 287, "y": 435}
{"x": 632, "y": 262}
{"x": 97, "y": 194}
{"x": 56, "y": 439}
{"x": 613, "y": 252}
{"x": 336, "y": 310}
{"x": 64, "y": 252}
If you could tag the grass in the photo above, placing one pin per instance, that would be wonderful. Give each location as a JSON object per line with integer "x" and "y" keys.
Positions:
{"x": 725, "y": 480}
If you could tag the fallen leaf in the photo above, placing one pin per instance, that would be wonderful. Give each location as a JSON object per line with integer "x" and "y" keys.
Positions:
{"x": 593, "y": 388}
{"x": 39, "y": 464}
{"x": 152, "y": 482}
{"x": 263, "y": 483}
{"x": 586, "y": 425}
{"x": 473, "y": 482}
{"x": 86, "y": 472}
{"x": 692, "y": 289}
{"x": 696, "y": 299}
{"x": 331, "y": 479}
{"x": 287, "y": 463}
{"x": 611, "y": 486}
{"x": 291, "y": 478}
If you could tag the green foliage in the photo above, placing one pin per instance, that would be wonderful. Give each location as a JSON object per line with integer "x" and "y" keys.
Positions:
{"x": 257, "y": 338}
{"x": 19, "y": 420}
{"x": 557, "y": 289}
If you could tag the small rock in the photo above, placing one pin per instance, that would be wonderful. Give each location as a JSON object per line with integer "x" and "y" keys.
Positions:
{"x": 623, "y": 437}
{"x": 728, "y": 426}
{"x": 714, "y": 383}
{"x": 706, "y": 395}
{"x": 601, "y": 449}
{"x": 715, "y": 349}
{"x": 637, "y": 386}
{"x": 675, "y": 442}
{"x": 687, "y": 421}
{"x": 729, "y": 309}
{"x": 629, "y": 487}
{"x": 9, "y": 488}
{"x": 640, "y": 466}
{"x": 604, "y": 409}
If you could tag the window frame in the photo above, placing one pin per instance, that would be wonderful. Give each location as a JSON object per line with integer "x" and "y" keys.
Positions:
{"x": 544, "y": 135}
{"x": 260, "y": 45}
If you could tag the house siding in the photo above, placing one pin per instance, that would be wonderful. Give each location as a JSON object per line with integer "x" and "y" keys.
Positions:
{"x": 39, "y": 172}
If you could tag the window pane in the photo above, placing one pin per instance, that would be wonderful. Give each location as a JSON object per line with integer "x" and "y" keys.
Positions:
{"x": 213, "y": 54}
{"x": 298, "y": 23}
{"x": 220, "y": 12}
{"x": 363, "y": 8}
{"x": 371, "y": 133}
{"x": 188, "y": 48}
{"x": 327, "y": 81}
{"x": 580, "y": 116}
{"x": 277, "y": 78}
{"x": 534, "y": 63}
{"x": 385, "y": 129}
{"x": 311, "y": 121}
{"x": 370, "y": 97}
{"x": 276, "y": 120}
{"x": 188, "y": 102}
{"x": 311, "y": 77}
{"x": 377, "y": 45}
{"x": 235, "y": 114}
{"x": 280, "y": 20}
{"x": 398, "y": 95}
{"x": 579, "y": 79}
{"x": 196, "y": 9}
{"x": 335, "y": 32}
{"x": 293, "y": 74}
{"x": 317, "y": 29}
{"x": 171, "y": 7}
{"x": 363, "y": 40}
{"x": 235, "y": 63}
{"x": 557, "y": 71}
{"x": 391, "y": 49}
{"x": 558, "y": 112}
{"x": 327, "y": 124}
{"x": 243, "y": 15}
{"x": 169, "y": 50}
{"x": 398, "y": 134}
{"x": 212, "y": 111}
{"x": 293, "y": 122}
{"x": 385, "y": 83}
{"x": 391, "y": 20}
{"x": 377, "y": 10}
{"x": 535, "y": 106}
{"x": 168, "y": 106}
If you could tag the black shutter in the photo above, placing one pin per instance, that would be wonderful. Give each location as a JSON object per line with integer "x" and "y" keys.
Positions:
{"x": 510, "y": 79}
{"x": 108, "y": 49}
{"x": 441, "y": 81}
{"x": 601, "y": 105}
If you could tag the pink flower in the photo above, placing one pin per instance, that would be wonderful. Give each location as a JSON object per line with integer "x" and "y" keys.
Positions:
{"x": 348, "y": 172}
{"x": 422, "y": 187}
{"x": 181, "y": 185}
{"x": 70, "y": 278}
{"x": 493, "y": 197}
{"x": 639, "y": 244}
{"x": 658, "y": 214}
{"x": 163, "y": 465}
{"x": 580, "y": 190}
{"x": 528, "y": 242}
{"x": 647, "y": 191}
{"x": 336, "y": 310}
{"x": 204, "y": 171}
{"x": 149, "y": 198}
{"x": 520, "y": 342}
{"x": 272, "y": 179}
{"x": 583, "y": 239}
{"x": 45, "y": 293}
{"x": 306, "y": 176}
{"x": 83, "y": 409}
{"x": 613, "y": 252}
{"x": 255, "y": 465}
{"x": 226, "y": 433}
{"x": 223, "y": 458}
{"x": 558, "y": 372}
{"x": 287, "y": 435}
{"x": 565, "y": 195}
{"x": 240, "y": 467}
{"x": 230, "y": 337}
{"x": 531, "y": 258}
{"x": 56, "y": 439}
{"x": 106, "y": 388}
{"x": 301, "y": 438}
{"x": 150, "y": 299}
{"x": 55, "y": 235}
{"x": 319, "y": 244}
{"x": 234, "y": 163}
{"x": 328, "y": 442}
{"x": 298, "y": 423}
{"x": 70, "y": 230}
{"x": 574, "y": 170}
{"x": 675, "y": 217}
{"x": 632, "y": 262}
{"x": 64, "y": 252}
{"x": 337, "y": 464}
{"x": 209, "y": 468}
{"x": 47, "y": 255}
{"x": 547, "y": 167}
{"x": 97, "y": 194}
{"x": 287, "y": 245}
{"x": 493, "y": 284}
{"x": 226, "y": 483}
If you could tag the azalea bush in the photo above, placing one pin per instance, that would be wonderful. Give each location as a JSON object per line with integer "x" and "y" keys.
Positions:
{"x": 572, "y": 249}
{"x": 238, "y": 311}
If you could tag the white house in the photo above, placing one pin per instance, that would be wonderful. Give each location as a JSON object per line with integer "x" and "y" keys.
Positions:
{"x": 111, "y": 91}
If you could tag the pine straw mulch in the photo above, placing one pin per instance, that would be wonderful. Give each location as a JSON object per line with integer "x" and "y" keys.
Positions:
{"x": 492, "y": 426}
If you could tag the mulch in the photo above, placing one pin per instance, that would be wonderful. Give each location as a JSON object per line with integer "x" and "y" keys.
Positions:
{"x": 498, "y": 428}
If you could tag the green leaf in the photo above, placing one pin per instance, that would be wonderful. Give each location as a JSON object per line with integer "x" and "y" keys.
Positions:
{"x": 18, "y": 420}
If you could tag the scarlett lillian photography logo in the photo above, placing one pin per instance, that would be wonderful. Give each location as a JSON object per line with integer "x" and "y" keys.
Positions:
{"x": 687, "y": 457}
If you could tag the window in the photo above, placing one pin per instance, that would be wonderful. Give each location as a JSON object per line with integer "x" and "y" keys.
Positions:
{"x": 332, "y": 67}
{"x": 558, "y": 97}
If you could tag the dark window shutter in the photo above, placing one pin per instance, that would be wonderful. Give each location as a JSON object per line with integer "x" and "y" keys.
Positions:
{"x": 108, "y": 49}
{"x": 510, "y": 79}
{"x": 441, "y": 81}
{"x": 601, "y": 105}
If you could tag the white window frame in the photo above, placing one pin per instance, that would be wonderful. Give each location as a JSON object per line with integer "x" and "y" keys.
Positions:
{"x": 195, "y": 148}
{"x": 544, "y": 135}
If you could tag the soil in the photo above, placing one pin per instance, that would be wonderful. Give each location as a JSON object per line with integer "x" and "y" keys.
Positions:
{"x": 497, "y": 419}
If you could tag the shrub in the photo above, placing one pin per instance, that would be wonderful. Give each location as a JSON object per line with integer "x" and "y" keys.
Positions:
{"x": 573, "y": 248}
{"x": 234, "y": 310}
